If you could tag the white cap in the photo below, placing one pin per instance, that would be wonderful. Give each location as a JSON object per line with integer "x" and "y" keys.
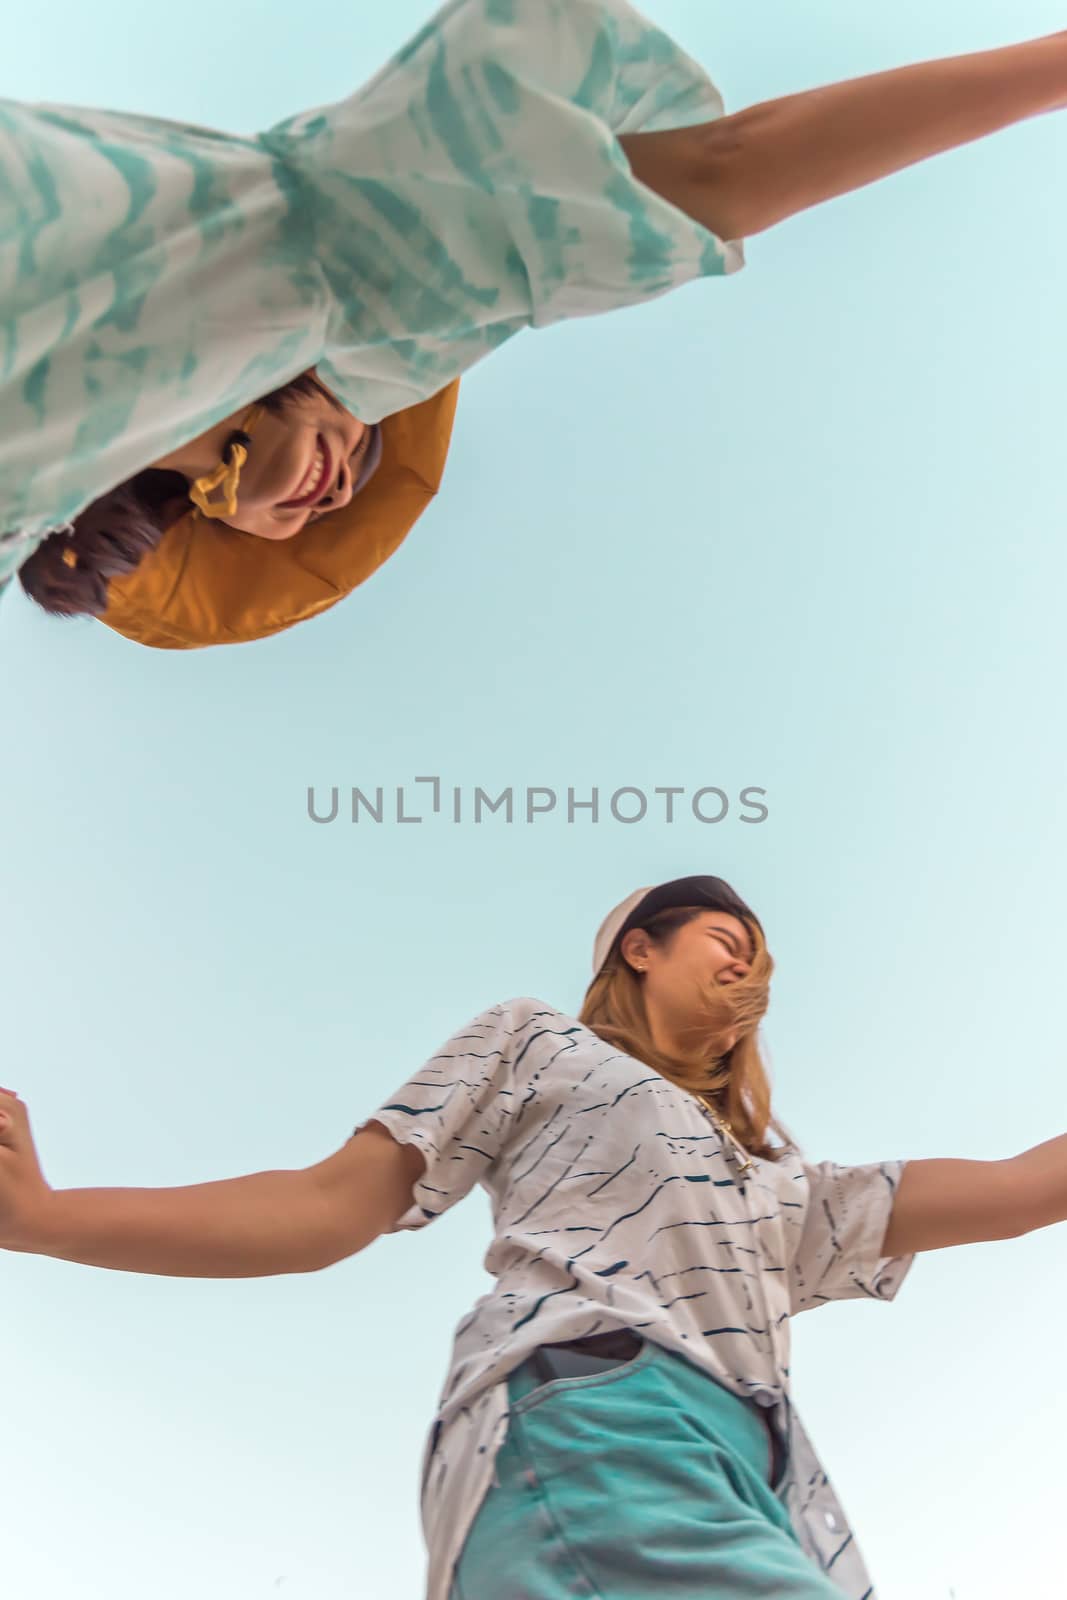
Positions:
{"x": 700, "y": 891}
{"x": 609, "y": 928}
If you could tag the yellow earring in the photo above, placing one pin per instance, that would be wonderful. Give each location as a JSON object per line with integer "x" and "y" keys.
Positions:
{"x": 228, "y": 472}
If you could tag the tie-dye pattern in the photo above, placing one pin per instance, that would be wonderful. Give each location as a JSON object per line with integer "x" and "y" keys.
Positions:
{"x": 615, "y": 1203}
{"x": 155, "y": 276}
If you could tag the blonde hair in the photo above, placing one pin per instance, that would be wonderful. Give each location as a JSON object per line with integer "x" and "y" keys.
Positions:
{"x": 736, "y": 1084}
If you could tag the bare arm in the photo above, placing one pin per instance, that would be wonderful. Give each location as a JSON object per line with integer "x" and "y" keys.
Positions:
{"x": 942, "y": 1203}
{"x": 261, "y": 1225}
{"x": 744, "y": 173}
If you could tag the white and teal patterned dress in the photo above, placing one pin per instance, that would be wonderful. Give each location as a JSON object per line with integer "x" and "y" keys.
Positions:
{"x": 155, "y": 277}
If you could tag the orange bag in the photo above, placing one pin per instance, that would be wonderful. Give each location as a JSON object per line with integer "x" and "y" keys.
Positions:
{"x": 207, "y": 584}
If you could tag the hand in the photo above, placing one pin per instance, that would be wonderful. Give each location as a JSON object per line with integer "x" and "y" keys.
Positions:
{"x": 23, "y": 1190}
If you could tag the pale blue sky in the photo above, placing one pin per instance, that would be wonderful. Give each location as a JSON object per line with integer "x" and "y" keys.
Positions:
{"x": 801, "y": 530}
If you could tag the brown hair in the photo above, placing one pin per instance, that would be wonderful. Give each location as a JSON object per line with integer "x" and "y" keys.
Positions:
{"x": 736, "y": 1084}
{"x": 68, "y": 574}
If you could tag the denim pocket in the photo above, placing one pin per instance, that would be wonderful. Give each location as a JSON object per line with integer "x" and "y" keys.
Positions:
{"x": 526, "y": 1398}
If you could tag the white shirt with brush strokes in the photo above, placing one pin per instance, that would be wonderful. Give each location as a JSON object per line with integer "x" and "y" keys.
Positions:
{"x": 616, "y": 1203}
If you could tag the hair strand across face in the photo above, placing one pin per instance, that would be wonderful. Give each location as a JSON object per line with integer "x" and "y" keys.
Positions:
{"x": 735, "y": 1083}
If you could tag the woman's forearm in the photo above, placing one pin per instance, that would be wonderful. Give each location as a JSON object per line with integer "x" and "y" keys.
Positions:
{"x": 256, "y": 1226}
{"x": 1040, "y": 1179}
{"x": 746, "y": 172}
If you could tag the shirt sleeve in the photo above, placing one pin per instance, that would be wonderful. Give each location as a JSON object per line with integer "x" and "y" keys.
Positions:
{"x": 457, "y": 1110}
{"x": 838, "y": 1256}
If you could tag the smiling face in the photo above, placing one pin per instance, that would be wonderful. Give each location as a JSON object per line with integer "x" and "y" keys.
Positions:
{"x": 300, "y": 466}
{"x": 712, "y": 950}
{"x": 303, "y": 462}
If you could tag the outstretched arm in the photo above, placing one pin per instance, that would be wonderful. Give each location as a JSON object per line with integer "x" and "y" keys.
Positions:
{"x": 261, "y": 1225}
{"x": 744, "y": 173}
{"x": 941, "y": 1203}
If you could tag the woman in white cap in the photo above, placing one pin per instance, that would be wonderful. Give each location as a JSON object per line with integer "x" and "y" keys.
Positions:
{"x": 617, "y": 1420}
{"x": 517, "y": 163}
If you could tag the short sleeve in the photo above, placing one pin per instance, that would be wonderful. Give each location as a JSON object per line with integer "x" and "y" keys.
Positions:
{"x": 456, "y": 1110}
{"x": 838, "y": 1256}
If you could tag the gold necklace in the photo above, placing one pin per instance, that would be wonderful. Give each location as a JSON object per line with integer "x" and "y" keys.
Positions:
{"x": 722, "y": 1125}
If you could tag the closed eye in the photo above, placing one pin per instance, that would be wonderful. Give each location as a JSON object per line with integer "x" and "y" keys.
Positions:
{"x": 732, "y": 943}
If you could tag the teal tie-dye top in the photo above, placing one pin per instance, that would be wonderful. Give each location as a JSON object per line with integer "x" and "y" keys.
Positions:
{"x": 155, "y": 277}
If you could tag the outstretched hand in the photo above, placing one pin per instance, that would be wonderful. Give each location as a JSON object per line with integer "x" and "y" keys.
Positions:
{"x": 23, "y": 1189}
